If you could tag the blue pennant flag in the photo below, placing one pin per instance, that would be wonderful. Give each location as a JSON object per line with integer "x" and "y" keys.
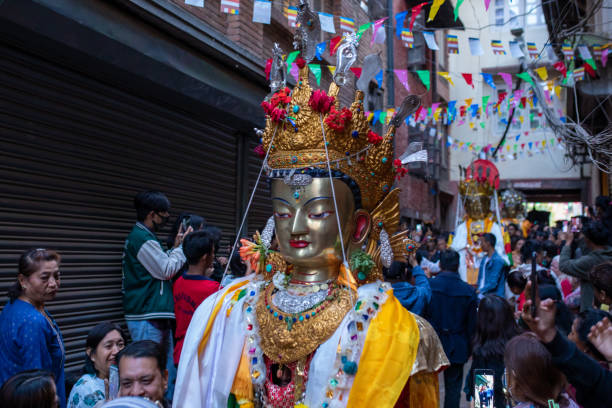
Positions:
{"x": 320, "y": 49}
{"x": 376, "y": 116}
{"x": 535, "y": 101}
{"x": 474, "y": 108}
{"x": 488, "y": 78}
{"x": 399, "y": 22}
{"x": 517, "y": 137}
{"x": 379, "y": 78}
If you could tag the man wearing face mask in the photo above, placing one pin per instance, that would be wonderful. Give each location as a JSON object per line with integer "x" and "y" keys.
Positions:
{"x": 147, "y": 270}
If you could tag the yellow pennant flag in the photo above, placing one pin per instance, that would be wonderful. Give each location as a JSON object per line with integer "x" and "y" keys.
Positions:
{"x": 446, "y": 76}
{"x": 543, "y": 143}
{"x": 370, "y": 116}
{"x": 508, "y": 147}
{"x": 468, "y": 102}
{"x": 521, "y": 119}
{"x": 471, "y": 125}
{"x": 530, "y": 100}
{"x": 437, "y": 113}
{"x": 332, "y": 69}
{"x": 558, "y": 91}
{"x": 542, "y": 73}
{"x": 434, "y": 9}
{"x": 390, "y": 113}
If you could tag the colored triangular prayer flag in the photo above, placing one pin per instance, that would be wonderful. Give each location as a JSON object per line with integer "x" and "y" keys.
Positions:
{"x": 316, "y": 71}
{"x": 488, "y": 78}
{"x": 416, "y": 10}
{"x": 486, "y": 3}
{"x": 456, "y": 11}
{"x": 446, "y": 76}
{"x": 433, "y": 10}
{"x": 379, "y": 78}
{"x": 320, "y": 49}
{"x": 542, "y": 73}
{"x": 332, "y": 69}
{"x": 507, "y": 79}
{"x": 356, "y": 71}
{"x": 424, "y": 77}
{"x": 362, "y": 29}
{"x": 402, "y": 75}
{"x": 268, "y": 68}
{"x": 334, "y": 43}
{"x": 468, "y": 79}
{"x": 485, "y": 99}
{"x": 526, "y": 77}
{"x": 290, "y": 58}
{"x": 399, "y": 22}
{"x": 377, "y": 25}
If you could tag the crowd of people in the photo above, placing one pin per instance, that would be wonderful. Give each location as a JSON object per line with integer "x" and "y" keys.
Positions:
{"x": 544, "y": 337}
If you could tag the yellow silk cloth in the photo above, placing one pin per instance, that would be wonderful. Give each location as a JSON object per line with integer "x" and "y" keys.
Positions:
{"x": 213, "y": 315}
{"x": 471, "y": 267}
{"x": 387, "y": 358}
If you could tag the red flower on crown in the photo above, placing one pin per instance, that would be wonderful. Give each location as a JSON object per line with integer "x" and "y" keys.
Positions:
{"x": 374, "y": 138}
{"x": 282, "y": 96}
{"x": 320, "y": 101}
{"x": 259, "y": 151}
{"x": 300, "y": 62}
{"x": 337, "y": 119}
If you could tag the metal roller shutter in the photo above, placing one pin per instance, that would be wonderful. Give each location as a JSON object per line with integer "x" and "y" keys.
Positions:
{"x": 73, "y": 152}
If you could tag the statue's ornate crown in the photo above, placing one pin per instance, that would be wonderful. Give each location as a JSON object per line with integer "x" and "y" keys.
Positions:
{"x": 474, "y": 188}
{"x": 295, "y": 121}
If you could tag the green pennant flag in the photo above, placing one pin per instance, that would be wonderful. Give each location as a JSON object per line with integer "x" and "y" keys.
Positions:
{"x": 383, "y": 116}
{"x": 591, "y": 62}
{"x": 515, "y": 147}
{"x": 485, "y": 99}
{"x": 531, "y": 117}
{"x": 424, "y": 76}
{"x": 316, "y": 71}
{"x": 482, "y": 125}
{"x": 468, "y": 144}
{"x": 456, "y": 11}
{"x": 552, "y": 141}
{"x": 362, "y": 29}
{"x": 526, "y": 77}
{"x": 290, "y": 58}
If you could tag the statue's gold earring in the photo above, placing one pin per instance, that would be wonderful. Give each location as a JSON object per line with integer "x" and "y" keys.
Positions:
{"x": 362, "y": 223}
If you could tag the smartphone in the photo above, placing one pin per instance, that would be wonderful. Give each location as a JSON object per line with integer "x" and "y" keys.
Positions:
{"x": 419, "y": 228}
{"x": 113, "y": 382}
{"x": 185, "y": 223}
{"x": 484, "y": 388}
{"x": 576, "y": 224}
{"x": 565, "y": 228}
{"x": 534, "y": 284}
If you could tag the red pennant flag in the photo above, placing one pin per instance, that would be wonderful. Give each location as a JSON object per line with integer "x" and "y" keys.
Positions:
{"x": 333, "y": 45}
{"x": 416, "y": 10}
{"x": 417, "y": 114}
{"x": 462, "y": 110}
{"x": 522, "y": 145}
{"x": 268, "y": 68}
{"x": 356, "y": 71}
{"x": 468, "y": 79}
{"x": 560, "y": 66}
{"x": 501, "y": 97}
{"x": 524, "y": 101}
{"x": 588, "y": 68}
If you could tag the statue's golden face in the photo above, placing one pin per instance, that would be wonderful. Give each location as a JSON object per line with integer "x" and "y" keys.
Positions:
{"x": 477, "y": 206}
{"x": 306, "y": 226}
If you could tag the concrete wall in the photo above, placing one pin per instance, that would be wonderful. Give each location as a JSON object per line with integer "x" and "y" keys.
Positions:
{"x": 530, "y": 164}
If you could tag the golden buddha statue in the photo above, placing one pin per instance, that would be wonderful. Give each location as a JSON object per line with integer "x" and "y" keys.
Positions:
{"x": 315, "y": 325}
{"x": 513, "y": 210}
{"x": 477, "y": 192}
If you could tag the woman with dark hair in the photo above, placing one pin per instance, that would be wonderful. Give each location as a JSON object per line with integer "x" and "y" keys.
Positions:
{"x": 581, "y": 329}
{"x": 495, "y": 326}
{"x": 532, "y": 378}
{"x": 103, "y": 343}
{"x": 29, "y": 389}
{"x": 29, "y": 337}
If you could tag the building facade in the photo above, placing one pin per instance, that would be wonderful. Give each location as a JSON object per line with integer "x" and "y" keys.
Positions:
{"x": 102, "y": 99}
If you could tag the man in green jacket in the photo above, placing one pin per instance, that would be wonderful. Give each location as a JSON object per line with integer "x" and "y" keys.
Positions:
{"x": 596, "y": 239}
{"x": 147, "y": 272}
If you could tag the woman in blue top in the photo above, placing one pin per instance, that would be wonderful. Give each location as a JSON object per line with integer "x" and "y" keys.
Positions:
{"x": 29, "y": 337}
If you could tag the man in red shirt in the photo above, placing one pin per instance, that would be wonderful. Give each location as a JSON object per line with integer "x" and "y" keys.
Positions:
{"x": 195, "y": 284}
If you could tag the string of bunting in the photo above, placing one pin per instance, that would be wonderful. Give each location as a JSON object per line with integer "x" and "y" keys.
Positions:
{"x": 262, "y": 12}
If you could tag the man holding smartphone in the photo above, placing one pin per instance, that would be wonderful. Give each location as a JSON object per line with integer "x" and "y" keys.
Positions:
{"x": 596, "y": 239}
{"x": 147, "y": 272}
